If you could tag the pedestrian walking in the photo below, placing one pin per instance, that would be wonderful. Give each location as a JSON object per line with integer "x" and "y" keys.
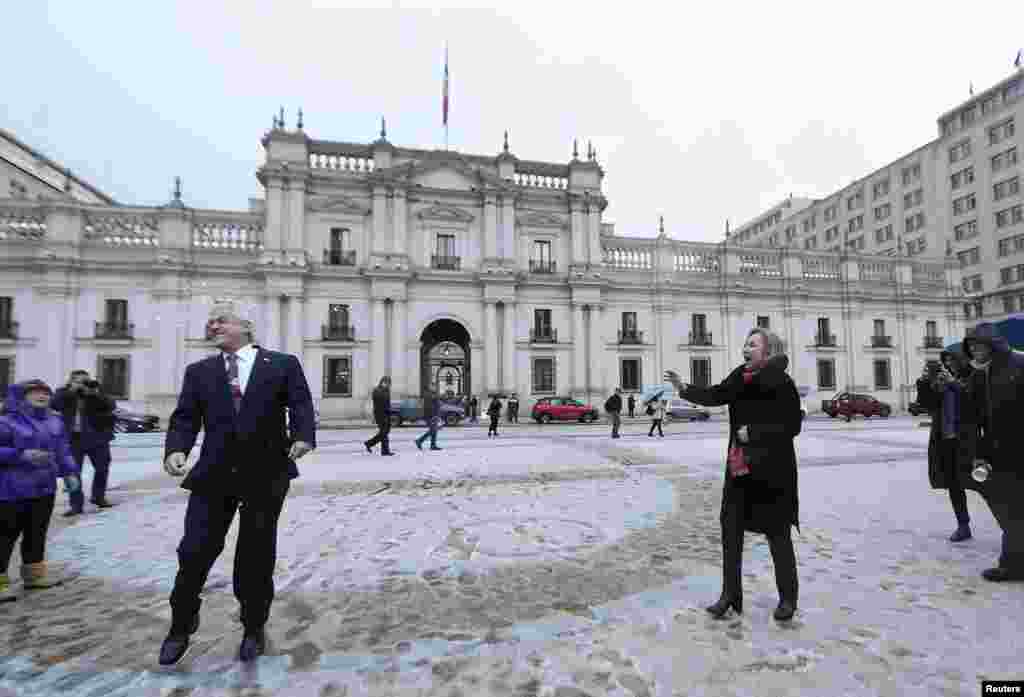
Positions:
{"x": 998, "y": 385}
{"x": 940, "y": 391}
{"x": 88, "y": 416}
{"x": 513, "y": 409}
{"x": 631, "y": 403}
{"x": 238, "y": 397}
{"x": 432, "y": 414}
{"x": 494, "y": 411}
{"x": 613, "y": 405}
{"x": 34, "y": 452}
{"x": 473, "y": 410}
{"x": 656, "y": 410}
{"x": 381, "y": 416}
{"x": 760, "y": 490}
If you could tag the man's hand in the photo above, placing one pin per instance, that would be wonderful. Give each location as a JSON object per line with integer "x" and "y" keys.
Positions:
{"x": 672, "y": 377}
{"x": 37, "y": 457}
{"x": 299, "y": 448}
{"x": 743, "y": 435}
{"x": 174, "y": 465}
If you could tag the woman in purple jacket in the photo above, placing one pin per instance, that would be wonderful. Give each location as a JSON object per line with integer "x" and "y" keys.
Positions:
{"x": 34, "y": 451}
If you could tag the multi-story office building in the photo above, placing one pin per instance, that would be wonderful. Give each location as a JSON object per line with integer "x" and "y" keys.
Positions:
{"x": 28, "y": 174}
{"x": 959, "y": 194}
{"x": 473, "y": 274}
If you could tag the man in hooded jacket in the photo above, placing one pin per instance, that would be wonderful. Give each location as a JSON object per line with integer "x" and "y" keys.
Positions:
{"x": 998, "y": 384}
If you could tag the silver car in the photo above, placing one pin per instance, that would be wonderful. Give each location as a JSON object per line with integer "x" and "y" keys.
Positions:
{"x": 682, "y": 410}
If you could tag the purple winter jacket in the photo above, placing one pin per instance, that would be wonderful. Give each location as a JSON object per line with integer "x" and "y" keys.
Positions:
{"x": 21, "y": 429}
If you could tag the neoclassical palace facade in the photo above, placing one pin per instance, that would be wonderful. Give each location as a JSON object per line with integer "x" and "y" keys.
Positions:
{"x": 476, "y": 274}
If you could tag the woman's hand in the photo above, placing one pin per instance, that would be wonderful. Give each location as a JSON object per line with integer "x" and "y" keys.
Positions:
{"x": 673, "y": 378}
{"x": 743, "y": 435}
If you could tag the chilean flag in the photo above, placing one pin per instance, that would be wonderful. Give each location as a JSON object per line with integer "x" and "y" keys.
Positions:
{"x": 444, "y": 101}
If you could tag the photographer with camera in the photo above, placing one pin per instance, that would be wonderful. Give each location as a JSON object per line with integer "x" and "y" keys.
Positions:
{"x": 998, "y": 384}
{"x": 89, "y": 419}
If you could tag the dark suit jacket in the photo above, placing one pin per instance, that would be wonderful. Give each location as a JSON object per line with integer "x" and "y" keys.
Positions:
{"x": 246, "y": 452}
{"x": 381, "y": 404}
{"x": 97, "y": 415}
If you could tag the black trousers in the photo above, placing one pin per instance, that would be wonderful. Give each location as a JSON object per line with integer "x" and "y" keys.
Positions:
{"x": 780, "y": 543}
{"x": 29, "y": 519}
{"x": 494, "y": 426}
{"x": 957, "y": 495}
{"x": 656, "y": 424}
{"x": 99, "y": 456}
{"x": 207, "y": 520}
{"x": 383, "y": 431}
{"x": 1007, "y": 505}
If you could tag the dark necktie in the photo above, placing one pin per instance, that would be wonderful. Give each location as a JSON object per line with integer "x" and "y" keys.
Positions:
{"x": 236, "y": 385}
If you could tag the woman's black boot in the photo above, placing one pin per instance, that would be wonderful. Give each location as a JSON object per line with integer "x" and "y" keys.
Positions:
{"x": 719, "y": 609}
{"x": 785, "y": 611}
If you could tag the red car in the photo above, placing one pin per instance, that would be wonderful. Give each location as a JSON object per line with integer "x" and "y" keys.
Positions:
{"x": 562, "y": 409}
{"x": 851, "y": 404}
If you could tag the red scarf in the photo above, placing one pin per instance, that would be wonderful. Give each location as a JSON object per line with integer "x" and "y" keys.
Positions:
{"x": 748, "y": 376}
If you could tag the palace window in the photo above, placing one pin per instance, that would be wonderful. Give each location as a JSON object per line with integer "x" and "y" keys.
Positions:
{"x": 337, "y": 376}
{"x": 763, "y": 322}
{"x": 883, "y": 374}
{"x": 543, "y": 375}
{"x": 700, "y": 372}
{"x": 6, "y": 372}
{"x": 826, "y": 374}
{"x": 112, "y": 373}
{"x": 630, "y": 375}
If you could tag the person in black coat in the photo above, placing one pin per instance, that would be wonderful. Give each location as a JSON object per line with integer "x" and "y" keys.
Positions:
{"x": 494, "y": 411}
{"x": 764, "y": 418}
{"x": 941, "y": 392}
{"x": 998, "y": 386}
{"x": 613, "y": 406}
{"x": 382, "y": 416}
{"x": 432, "y": 414}
{"x": 89, "y": 420}
{"x": 631, "y": 403}
{"x": 239, "y": 398}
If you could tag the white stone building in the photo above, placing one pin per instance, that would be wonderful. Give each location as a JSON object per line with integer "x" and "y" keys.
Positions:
{"x": 479, "y": 274}
{"x": 958, "y": 194}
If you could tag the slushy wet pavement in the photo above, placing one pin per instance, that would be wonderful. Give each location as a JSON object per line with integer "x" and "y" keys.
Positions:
{"x": 551, "y": 561}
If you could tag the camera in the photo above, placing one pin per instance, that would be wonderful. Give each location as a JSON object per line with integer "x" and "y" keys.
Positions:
{"x": 92, "y": 384}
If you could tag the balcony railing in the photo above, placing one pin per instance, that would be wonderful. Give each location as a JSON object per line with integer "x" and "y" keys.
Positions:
{"x": 543, "y": 335}
{"x": 8, "y": 330}
{"x": 822, "y": 339}
{"x": 446, "y": 263}
{"x": 338, "y": 332}
{"x": 879, "y": 341}
{"x": 541, "y": 266}
{"x": 631, "y": 336}
{"x": 700, "y": 339}
{"x": 115, "y": 330}
{"x": 339, "y": 257}
{"x": 933, "y": 342}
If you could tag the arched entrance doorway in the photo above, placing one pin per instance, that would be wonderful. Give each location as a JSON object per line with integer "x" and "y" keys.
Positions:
{"x": 445, "y": 359}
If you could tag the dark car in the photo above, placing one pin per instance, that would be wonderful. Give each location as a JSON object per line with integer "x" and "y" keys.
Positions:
{"x": 131, "y": 422}
{"x": 562, "y": 409}
{"x": 852, "y": 404}
{"x": 682, "y": 410}
{"x": 407, "y": 411}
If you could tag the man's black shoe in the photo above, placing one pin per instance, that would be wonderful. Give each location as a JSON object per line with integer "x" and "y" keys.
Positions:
{"x": 962, "y": 532}
{"x": 176, "y": 644}
{"x": 369, "y": 448}
{"x": 1001, "y": 573}
{"x": 101, "y": 503}
{"x": 434, "y": 447}
{"x": 253, "y": 645}
{"x": 785, "y": 611}
{"x": 72, "y": 512}
{"x": 387, "y": 453}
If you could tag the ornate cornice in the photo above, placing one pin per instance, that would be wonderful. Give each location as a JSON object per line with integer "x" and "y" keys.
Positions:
{"x": 542, "y": 220}
{"x": 441, "y": 211}
{"x": 338, "y": 204}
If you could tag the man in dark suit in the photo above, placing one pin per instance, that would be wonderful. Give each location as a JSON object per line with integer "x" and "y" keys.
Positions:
{"x": 381, "y": 407}
{"x": 238, "y": 397}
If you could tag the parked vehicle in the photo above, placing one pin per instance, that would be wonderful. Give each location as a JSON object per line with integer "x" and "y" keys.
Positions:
{"x": 682, "y": 410}
{"x": 853, "y": 404}
{"x": 131, "y": 422}
{"x": 409, "y": 411}
{"x": 916, "y": 409}
{"x": 562, "y": 409}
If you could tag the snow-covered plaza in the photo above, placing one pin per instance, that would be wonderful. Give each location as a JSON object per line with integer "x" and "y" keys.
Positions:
{"x": 550, "y": 561}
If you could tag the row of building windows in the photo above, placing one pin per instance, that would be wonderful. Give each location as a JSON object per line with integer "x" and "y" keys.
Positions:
{"x": 881, "y": 370}
{"x": 1011, "y": 245}
{"x": 1013, "y": 303}
{"x": 970, "y": 257}
{"x": 1011, "y": 274}
{"x": 967, "y": 116}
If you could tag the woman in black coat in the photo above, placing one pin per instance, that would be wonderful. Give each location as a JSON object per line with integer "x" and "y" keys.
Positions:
{"x": 764, "y": 418}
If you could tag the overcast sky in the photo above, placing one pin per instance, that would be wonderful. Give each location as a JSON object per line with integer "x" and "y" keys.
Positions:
{"x": 699, "y": 111}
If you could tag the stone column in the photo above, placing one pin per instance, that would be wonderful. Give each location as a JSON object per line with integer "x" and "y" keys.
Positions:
{"x": 594, "y": 234}
{"x": 508, "y": 245}
{"x": 578, "y": 233}
{"x": 296, "y": 327}
{"x": 508, "y": 353}
{"x": 579, "y": 351}
{"x": 491, "y": 345}
{"x": 398, "y": 332}
{"x": 272, "y": 234}
{"x": 378, "y": 343}
{"x": 270, "y": 337}
{"x": 381, "y": 234}
{"x": 490, "y": 228}
{"x": 476, "y": 368}
{"x": 401, "y": 222}
{"x": 297, "y": 216}
{"x": 597, "y": 353}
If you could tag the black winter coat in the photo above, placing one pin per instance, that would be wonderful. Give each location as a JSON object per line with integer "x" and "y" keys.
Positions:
{"x": 770, "y": 409}
{"x": 381, "y": 404}
{"x": 949, "y": 458}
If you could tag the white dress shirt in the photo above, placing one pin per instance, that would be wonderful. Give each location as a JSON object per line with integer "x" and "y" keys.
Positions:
{"x": 246, "y": 360}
